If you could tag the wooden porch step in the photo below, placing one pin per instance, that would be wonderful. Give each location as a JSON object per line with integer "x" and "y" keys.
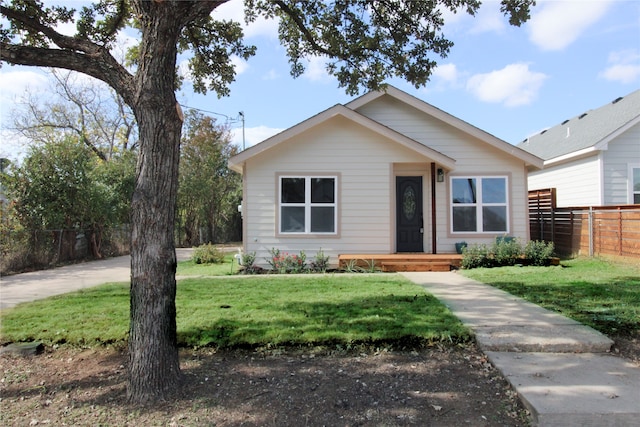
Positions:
{"x": 402, "y": 261}
{"x": 395, "y": 266}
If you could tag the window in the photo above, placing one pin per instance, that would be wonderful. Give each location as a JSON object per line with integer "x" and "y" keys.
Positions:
{"x": 635, "y": 190}
{"x": 308, "y": 204}
{"x": 479, "y": 205}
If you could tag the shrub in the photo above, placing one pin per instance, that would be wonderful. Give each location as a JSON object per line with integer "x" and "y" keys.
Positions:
{"x": 507, "y": 251}
{"x": 476, "y": 256}
{"x": 320, "y": 263}
{"x": 248, "y": 262}
{"x": 538, "y": 252}
{"x": 283, "y": 262}
{"x": 208, "y": 254}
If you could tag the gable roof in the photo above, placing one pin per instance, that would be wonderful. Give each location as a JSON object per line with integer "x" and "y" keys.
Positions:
{"x": 586, "y": 133}
{"x": 523, "y": 155}
{"x": 349, "y": 111}
{"x": 236, "y": 162}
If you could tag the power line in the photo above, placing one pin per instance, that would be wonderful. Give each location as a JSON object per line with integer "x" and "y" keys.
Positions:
{"x": 238, "y": 119}
{"x": 229, "y": 118}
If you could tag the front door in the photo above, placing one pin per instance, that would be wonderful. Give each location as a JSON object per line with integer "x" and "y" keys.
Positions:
{"x": 409, "y": 226}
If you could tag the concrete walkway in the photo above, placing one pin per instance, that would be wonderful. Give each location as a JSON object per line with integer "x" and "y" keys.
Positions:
{"x": 560, "y": 368}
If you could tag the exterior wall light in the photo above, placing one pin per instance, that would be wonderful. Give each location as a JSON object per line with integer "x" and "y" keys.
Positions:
{"x": 440, "y": 176}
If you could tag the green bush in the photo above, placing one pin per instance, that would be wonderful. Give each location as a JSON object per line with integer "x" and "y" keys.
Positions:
{"x": 284, "y": 262}
{"x": 320, "y": 263}
{"x": 208, "y": 254}
{"x": 538, "y": 252}
{"x": 507, "y": 251}
{"x": 248, "y": 261}
{"x": 476, "y": 256}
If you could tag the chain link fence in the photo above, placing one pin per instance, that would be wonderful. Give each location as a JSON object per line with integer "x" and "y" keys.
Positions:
{"x": 36, "y": 250}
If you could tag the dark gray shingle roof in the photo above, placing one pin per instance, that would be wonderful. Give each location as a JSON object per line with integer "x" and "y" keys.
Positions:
{"x": 585, "y": 130}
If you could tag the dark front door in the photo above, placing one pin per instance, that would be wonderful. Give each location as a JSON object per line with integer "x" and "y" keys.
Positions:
{"x": 409, "y": 227}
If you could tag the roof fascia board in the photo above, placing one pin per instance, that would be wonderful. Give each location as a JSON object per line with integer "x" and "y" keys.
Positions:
{"x": 528, "y": 158}
{"x": 286, "y": 134}
{"x": 236, "y": 162}
{"x": 603, "y": 144}
{"x": 600, "y": 146}
{"x": 585, "y": 152}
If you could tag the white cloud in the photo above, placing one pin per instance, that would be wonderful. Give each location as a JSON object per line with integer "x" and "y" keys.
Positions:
{"x": 240, "y": 64}
{"x": 183, "y": 68}
{"x": 488, "y": 19}
{"x": 554, "y": 25}
{"x": 445, "y": 77}
{"x": 315, "y": 69}
{"x": 252, "y": 135}
{"x": 624, "y": 67}
{"x": 447, "y": 73}
{"x": 14, "y": 84}
{"x": 234, "y": 11}
{"x": 514, "y": 85}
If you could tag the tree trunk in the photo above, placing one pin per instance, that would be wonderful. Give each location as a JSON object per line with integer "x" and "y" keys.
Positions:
{"x": 154, "y": 369}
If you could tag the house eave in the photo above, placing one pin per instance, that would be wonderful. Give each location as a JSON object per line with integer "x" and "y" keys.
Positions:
{"x": 236, "y": 162}
{"x": 529, "y": 159}
{"x": 576, "y": 155}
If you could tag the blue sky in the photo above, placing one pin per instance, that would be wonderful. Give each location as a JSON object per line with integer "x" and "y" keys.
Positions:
{"x": 570, "y": 57}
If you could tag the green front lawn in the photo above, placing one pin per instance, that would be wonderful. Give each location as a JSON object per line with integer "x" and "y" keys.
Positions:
{"x": 602, "y": 294}
{"x": 336, "y": 310}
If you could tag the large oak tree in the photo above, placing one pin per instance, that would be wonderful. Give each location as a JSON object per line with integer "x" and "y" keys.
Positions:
{"x": 364, "y": 42}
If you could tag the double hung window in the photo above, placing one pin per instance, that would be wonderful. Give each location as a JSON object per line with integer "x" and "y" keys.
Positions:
{"x": 479, "y": 204}
{"x": 308, "y": 204}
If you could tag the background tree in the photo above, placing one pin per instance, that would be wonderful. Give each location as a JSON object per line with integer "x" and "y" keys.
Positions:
{"x": 208, "y": 191}
{"x": 364, "y": 41}
{"x": 82, "y": 108}
{"x": 64, "y": 186}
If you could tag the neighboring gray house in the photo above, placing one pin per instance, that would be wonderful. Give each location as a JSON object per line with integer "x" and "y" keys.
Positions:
{"x": 592, "y": 159}
{"x": 385, "y": 173}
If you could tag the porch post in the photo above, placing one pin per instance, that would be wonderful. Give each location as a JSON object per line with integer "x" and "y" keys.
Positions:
{"x": 434, "y": 249}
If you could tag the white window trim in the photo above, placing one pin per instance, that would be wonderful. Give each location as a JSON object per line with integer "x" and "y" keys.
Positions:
{"x": 308, "y": 205}
{"x": 630, "y": 181}
{"x": 479, "y": 205}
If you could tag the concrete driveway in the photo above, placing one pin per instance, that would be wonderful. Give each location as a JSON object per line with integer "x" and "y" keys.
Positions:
{"x": 42, "y": 284}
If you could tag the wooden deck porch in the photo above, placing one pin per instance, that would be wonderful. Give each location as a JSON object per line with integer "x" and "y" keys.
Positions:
{"x": 401, "y": 261}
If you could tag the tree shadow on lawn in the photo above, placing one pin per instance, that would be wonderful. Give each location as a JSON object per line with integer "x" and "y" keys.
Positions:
{"x": 385, "y": 319}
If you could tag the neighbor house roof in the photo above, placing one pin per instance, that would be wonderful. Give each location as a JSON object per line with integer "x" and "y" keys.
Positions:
{"x": 586, "y": 133}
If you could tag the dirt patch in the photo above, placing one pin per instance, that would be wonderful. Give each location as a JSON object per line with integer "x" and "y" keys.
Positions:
{"x": 628, "y": 347}
{"x": 437, "y": 387}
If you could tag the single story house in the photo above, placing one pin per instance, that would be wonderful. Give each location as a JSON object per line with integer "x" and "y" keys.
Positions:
{"x": 592, "y": 159}
{"x": 385, "y": 173}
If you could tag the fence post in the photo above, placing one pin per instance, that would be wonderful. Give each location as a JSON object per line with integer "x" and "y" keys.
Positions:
{"x": 619, "y": 231}
{"x": 591, "y": 231}
{"x": 59, "y": 246}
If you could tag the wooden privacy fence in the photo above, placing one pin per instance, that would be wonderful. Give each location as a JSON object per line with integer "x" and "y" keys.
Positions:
{"x": 601, "y": 230}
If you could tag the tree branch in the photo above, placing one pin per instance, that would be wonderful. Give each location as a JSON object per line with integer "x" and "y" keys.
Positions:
{"x": 101, "y": 66}
{"x": 305, "y": 31}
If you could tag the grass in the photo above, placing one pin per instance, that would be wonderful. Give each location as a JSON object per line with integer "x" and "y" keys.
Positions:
{"x": 599, "y": 293}
{"x": 190, "y": 268}
{"x": 241, "y": 311}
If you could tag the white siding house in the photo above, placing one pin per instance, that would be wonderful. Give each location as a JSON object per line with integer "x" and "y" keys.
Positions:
{"x": 592, "y": 159}
{"x": 385, "y": 173}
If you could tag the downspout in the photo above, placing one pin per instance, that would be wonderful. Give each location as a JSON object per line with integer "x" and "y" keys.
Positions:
{"x": 434, "y": 240}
